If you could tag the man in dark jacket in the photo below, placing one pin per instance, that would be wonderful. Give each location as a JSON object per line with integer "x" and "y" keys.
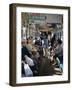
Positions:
{"x": 25, "y": 52}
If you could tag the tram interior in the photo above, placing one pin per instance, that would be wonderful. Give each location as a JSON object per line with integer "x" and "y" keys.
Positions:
{"x": 42, "y": 44}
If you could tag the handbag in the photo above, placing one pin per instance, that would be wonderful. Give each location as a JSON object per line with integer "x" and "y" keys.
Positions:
{"x": 28, "y": 71}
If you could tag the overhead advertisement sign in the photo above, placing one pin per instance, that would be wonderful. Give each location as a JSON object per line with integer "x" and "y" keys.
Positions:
{"x": 36, "y": 17}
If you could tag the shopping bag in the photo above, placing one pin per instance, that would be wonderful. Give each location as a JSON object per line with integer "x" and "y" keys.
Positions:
{"x": 28, "y": 71}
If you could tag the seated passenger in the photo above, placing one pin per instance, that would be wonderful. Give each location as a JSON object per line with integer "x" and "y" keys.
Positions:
{"x": 29, "y": 45}
{"x": 24, "y": 50}
{"x": 59, "y": 51}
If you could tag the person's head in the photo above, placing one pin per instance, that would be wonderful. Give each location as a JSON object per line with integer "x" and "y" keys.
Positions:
{"x": 23, "y": 43}
{"x": 59, "y": 41}
{"x": 29, "y": 41}
{"x": 54, "y": 36}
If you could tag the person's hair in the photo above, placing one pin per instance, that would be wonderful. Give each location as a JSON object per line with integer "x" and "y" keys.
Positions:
{"x": 59, "y": 41}
{"x": 54, "y": 36}
{"x": 49, "y": 33}
{"x": 23, "y": 42}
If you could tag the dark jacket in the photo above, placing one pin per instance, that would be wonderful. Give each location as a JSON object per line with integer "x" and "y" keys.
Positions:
{"x": 25, "y": 52}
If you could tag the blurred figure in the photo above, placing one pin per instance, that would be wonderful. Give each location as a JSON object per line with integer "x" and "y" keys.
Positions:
{"x": 53, "y": 40}
{"x": 49, "y": 38}
{"x": 29, "y": 45}
{"x": 59, "y": 50}
{"x": 24, "y": 50}
{"x": 44, "y": 42}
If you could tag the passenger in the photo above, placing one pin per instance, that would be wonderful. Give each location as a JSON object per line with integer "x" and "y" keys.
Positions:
{"x": 59, "y": 51}
{"x": 53, "y": 40}
{"x": 49, "y": 38}
{"x": 29, "y": 45}
{"x": 24, "y": 50}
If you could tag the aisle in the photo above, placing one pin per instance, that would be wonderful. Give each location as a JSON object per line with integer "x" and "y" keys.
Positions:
{"x": 45, "y": 67}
